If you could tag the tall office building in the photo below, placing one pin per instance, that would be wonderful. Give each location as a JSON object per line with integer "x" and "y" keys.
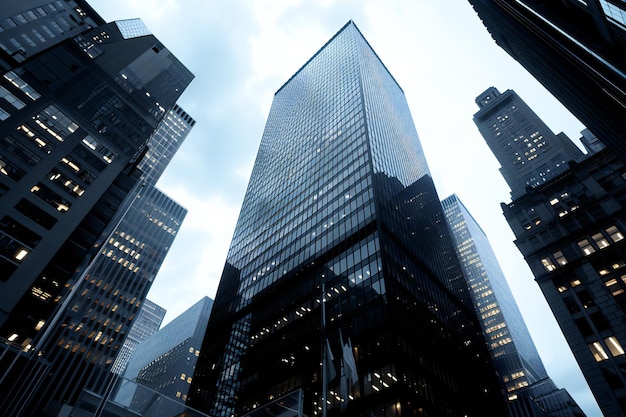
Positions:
{"x": 571, "y": 232}
{"x": 576, "y": 49}
{"x": 165, "y": 362}
{"x": 78, "y": 107}
{"x": 525, "y": 384}
{"x": 341, "y": 211}
{"x": 164, "y": 143}
{"x": 528, "y": 151}
{"x": 146, "y": 324}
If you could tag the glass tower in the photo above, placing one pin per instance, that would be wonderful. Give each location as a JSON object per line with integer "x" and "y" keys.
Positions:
{"x": 147, "y": 323}
{"x": 341, "y": 211}
{"x": 526, "y": 385}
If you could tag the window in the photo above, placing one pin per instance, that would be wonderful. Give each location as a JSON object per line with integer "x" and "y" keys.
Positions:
{"x": 560, "y": 258}
{"x": 614, "y": 346}
{"x": 50, "y": 197}
{"x": 600, "y": 240}
{"x": 4, "y": 114}
{"x": 36, "y": 214}
{"x": 598, "y": 352}
{"x": 586, "y": 247}
{"x": 548, "y": 264}
{"x": 9, "y": 169}
{"x": 22, "y": 85}
{"x": 614, "y": 234}
{"x": 56, "y": 123}
{"x": 15, "y": 102}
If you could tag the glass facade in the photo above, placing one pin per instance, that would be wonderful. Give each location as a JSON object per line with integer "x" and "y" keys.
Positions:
{"x": 340, "y": 196}
{"x": 525, "y": 384}
{"x": 146, "y": 324}
{"x": 510, "y": 343}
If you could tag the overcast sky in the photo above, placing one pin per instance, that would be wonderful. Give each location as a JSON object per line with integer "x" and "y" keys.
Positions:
{"x": 241, "y": 52}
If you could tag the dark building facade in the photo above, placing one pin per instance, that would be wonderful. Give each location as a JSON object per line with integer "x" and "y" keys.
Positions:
{"x": 78, "y": 106}
{"x": 525, "y": 384}
{"x": 341, "y": 199}
{"x": 576, "y": 49}
{"x": 528, "y": 151}
{"x": 165, "y": 362}
{"x": 571, "y": 232}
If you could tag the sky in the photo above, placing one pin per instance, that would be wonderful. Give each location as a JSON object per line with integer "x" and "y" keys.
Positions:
{"x": 242, "y": 51}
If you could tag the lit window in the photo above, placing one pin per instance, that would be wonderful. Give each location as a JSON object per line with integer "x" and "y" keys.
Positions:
{"x": 603, "y": 272}
{"x": 598, "y": 352}
{"x": 562, "y": 288}
{"x": 600, "y": 240}
{"x": 614, "y": 346}
{"x": 560, "y": 258}
{"x": 586, "y": 247}
{"x": 614, "y": 234}
{"x": 21, "y": 254}
{"x": 548, "y": 264}
{"x": 575, "y": 282}
{"x": 554, "y": 201}
{"x": 39, "y": 325}
{"x": 618, "y": 265}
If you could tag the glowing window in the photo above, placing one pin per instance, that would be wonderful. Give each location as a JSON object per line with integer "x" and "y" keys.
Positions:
{"x": 614, "y": 346}
{"x": 598, "y": 352}
{"x": 600, "y": 240}
{"x": 548, "y": 264}
{"x": 586, "y": 247}
{"x": 614, "y": 234}
{"x": 560, "y": 258}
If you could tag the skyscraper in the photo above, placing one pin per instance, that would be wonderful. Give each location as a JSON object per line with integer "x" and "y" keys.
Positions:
{"x": 146, "y": 324}
{"x": 528, "y": 151}
{"x": 576, "y": 49}
{"x": 341, "y": 212}
{"x": 526, "y": 385}
{"x": 79, "y": 106}
{"x": 571, "y": 233}
{"x": 165, "y": 362}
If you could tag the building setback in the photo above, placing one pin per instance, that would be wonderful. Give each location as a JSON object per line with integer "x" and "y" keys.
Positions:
{"x": 165, "y": 362}
{"x": 146, "y": 324}
{"x": 576, "y": 49}
{"x": 78, "y": 106}
{"x": 571, "y": 232}
{"x": 525, "y": 384}
{"x": 528, "y": 151}
{"x": 341, "y": 207}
